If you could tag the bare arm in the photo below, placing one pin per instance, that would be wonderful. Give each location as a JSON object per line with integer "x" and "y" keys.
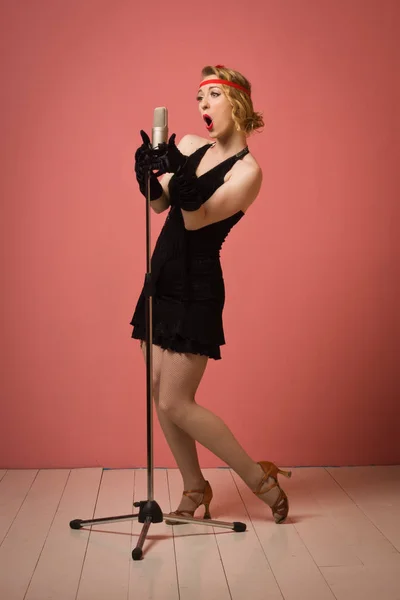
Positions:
{"x": 238, "y": 193}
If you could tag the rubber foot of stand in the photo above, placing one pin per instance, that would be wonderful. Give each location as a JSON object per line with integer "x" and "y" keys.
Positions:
{"x": 137, "y": 553}
{"x": 76, "y": 524}
{"x": 238, "y": 526}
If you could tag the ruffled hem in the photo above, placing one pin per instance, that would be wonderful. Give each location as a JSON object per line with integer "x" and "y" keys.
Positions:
{"x": 181, "y": 345}
{"x": 183, "y": 328}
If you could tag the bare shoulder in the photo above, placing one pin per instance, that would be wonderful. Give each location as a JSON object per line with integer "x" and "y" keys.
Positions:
{"x": 247, "y": 168}
{"x": 190, "y": 143}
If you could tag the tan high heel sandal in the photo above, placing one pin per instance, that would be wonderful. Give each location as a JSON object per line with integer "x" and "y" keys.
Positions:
{"x": 206, "y": 499}
{"x": 280, "y": 508}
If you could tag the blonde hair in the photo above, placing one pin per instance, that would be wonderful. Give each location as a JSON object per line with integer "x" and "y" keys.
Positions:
{"x": 243, "y": 113}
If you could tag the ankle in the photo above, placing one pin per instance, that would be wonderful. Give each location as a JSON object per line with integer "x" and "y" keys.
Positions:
{"x": 254, "y": 477}
{"x": 194, "y": 484}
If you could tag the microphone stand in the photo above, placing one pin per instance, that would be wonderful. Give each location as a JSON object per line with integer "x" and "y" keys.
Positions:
{"x": 149, "y": 510}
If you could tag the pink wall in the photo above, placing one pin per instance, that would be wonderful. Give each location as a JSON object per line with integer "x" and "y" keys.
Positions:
{"x": 310, "y": 372}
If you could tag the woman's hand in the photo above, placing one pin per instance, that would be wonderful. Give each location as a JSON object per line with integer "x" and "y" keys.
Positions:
{"x": 187, "y": 194}
{"x": 148, "y": 157}
{"x": 172, "y": 158}
{"x": 147, "y": 160}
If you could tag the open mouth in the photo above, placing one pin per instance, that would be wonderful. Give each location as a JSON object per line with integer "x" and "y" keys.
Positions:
{"x": 208, "y": 121}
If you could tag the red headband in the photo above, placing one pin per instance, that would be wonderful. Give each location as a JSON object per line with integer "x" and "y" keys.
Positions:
{"x": 224, "y": 82}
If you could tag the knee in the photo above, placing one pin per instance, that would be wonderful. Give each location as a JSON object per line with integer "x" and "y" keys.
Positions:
{"x": 176, "y": 409}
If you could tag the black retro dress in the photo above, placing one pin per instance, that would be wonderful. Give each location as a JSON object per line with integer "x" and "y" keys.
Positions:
{"x": 188, "y": 284}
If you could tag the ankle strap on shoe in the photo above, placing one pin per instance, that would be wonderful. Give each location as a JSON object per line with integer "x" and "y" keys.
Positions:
{"x": 186, "y": 492}
{"x": 258, "y": 491}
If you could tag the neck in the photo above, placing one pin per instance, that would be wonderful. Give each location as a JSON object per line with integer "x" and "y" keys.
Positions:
{"x": 230, "y": 144}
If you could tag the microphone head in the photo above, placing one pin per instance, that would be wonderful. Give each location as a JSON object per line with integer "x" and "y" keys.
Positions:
{"x": 160, "y": 117}
{"x": 160, "y": 126}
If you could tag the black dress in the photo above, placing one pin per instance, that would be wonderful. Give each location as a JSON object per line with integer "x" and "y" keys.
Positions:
{"x": 189, "y": 292}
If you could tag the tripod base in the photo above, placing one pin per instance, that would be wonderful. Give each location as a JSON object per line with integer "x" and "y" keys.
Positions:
{"x": 150, "y": 512}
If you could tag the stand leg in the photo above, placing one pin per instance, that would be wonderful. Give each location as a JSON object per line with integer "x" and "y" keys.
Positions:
{"x": 137, "y": 552}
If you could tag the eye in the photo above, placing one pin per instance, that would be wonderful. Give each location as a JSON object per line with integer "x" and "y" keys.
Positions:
{"x": 199, "y": 98}
{"x": 215, "y": 94}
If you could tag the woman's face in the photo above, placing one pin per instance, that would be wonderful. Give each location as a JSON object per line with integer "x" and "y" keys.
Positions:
{"x": 215, "y": 109}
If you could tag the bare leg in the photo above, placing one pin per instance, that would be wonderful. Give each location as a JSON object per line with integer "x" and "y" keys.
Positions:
{"x": 183, "y": 446}
{"x": 180, "y": 377}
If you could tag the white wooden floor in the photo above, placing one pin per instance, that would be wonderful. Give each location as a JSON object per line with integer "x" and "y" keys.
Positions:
{"x": 342, "y": 539}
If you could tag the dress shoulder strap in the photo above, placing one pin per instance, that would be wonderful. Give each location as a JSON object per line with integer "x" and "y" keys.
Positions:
{"x": 229, "y": 162}
{"x": 197, "y": 155}
{"x": 242, "y": 153}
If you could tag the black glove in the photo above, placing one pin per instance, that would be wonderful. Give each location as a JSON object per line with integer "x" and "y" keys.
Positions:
{"x": 186, "y": 192}
{"x": 147, "y": 159}
{"x": 171, "y": 157}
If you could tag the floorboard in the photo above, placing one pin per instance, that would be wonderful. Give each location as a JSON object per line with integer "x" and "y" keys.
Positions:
{"x": 341, "y": 540}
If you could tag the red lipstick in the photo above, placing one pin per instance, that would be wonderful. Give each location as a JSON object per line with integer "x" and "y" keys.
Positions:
{"x": 208, "y": 121}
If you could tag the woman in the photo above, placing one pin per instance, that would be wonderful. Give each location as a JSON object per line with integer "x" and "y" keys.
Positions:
{"x": 208, "y": 188}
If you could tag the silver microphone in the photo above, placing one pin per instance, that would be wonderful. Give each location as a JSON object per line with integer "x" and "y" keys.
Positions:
{"x": 160, "y": 127}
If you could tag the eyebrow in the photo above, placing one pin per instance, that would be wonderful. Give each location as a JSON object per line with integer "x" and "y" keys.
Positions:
{"x": 212, "y": 86}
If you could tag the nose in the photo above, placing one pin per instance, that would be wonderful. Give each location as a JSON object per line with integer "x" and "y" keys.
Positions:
{"x": 204, "y": 103}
